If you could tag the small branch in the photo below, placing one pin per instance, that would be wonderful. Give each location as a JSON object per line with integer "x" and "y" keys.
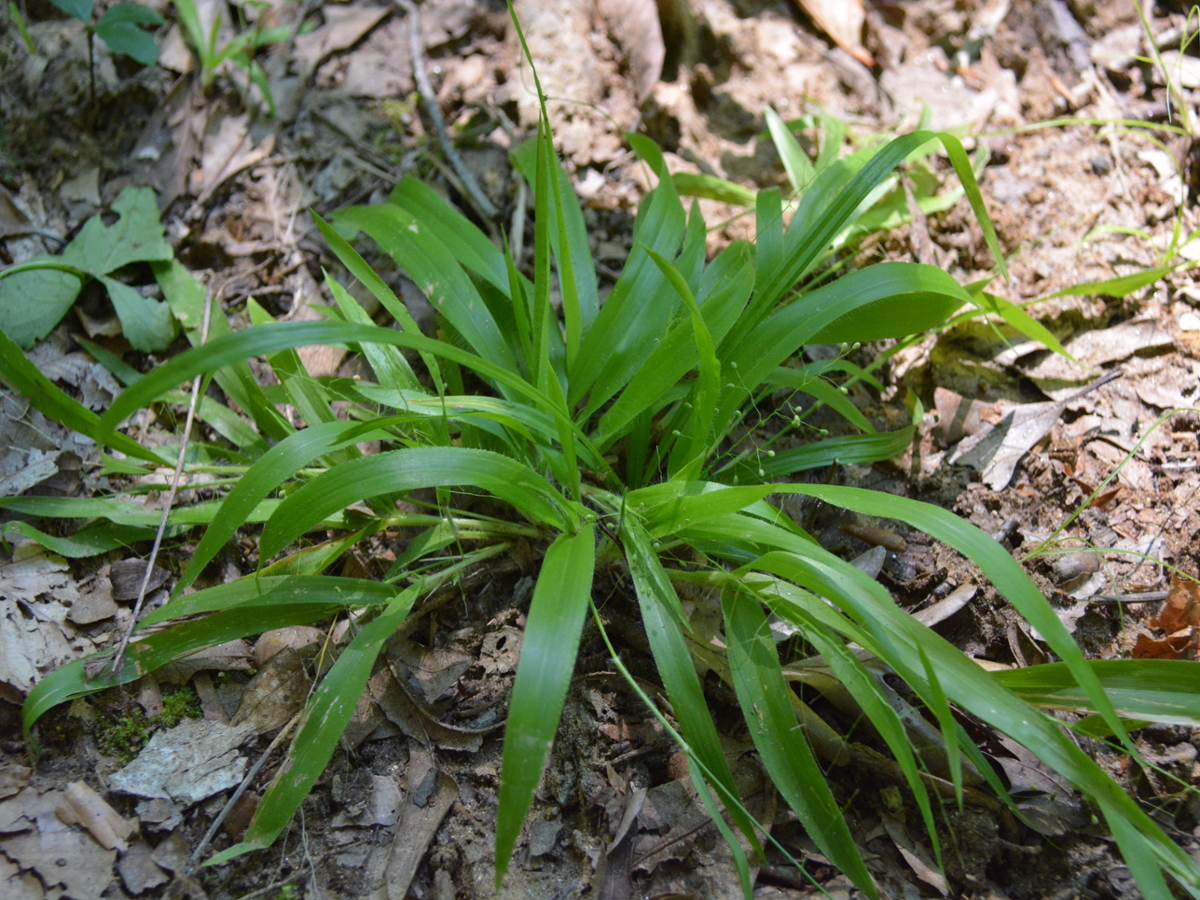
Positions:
{"x": 119, "y": 659}
{"x": 482, "y": 204}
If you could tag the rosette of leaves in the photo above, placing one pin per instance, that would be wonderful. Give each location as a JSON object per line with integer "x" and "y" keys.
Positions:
{"x": 611, "y": 434}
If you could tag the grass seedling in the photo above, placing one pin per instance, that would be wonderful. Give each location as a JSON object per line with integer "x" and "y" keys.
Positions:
{"x": 239, "y": 50}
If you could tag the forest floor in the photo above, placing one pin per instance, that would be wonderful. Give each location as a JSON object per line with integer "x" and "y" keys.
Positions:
{"x": 1008, "y": 441}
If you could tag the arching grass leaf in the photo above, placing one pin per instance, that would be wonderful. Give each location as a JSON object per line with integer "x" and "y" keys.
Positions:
{"x": 556, "y": 614}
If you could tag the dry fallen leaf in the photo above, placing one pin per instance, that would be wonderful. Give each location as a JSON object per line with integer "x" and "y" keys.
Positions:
{"x": 1181, "y": 609}
{"x": 13, "y": 777}
{"x": 436, "y": 669}
{"x": 1178, "y": 618}
{"x": 636, "y": 27}
{"x": 83, "y": 806}
{"x": 430, "y": 794}
{"x": 344, "y": 27}
{"x": 995, "y": 453}
{"x": 13, "y": 220}
{"x": 843, "y": 21}
{"x": 138, "y": 870}
{"x": 36, "y": 592}
{"x": 127, "y": 575}
{"x": 276, "y": 693}
{"x": 1183, "y": 646}
{"x": 294, "y": 636}
{"x": 19, "y": 885}
{"x": 228, "y": 148}
{"x": 86, "y": 877}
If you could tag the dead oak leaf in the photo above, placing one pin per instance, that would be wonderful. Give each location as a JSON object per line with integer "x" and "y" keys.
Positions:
{"x": 1181, "y": 609}
{"x": 1178, "y": 617}
{"x": 69, "y": 858}
{"x": 1178, "y": 646}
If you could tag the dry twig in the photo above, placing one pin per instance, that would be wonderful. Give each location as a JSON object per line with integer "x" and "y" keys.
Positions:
{"x": 119, "y": 659}
{"x": 482, "y": 204}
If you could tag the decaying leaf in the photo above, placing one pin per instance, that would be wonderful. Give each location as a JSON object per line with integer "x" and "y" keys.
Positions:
{"x": 295, "y": 637}
{"x": 1181, "y": 609}
{"x": 1058, "y": 377}
{"x": 19, "y": 885}
{"x": 13, "y": 220}
{"x": 127, "y": 576}
{"x": 435, "y": 669}
{"x": 403, "y": 710}
{"x": 613, "y": 876}
{"x": 86, "y": 877}
{"x": 957, "y": 417}
{"x": 344, "y": 27}
{"x": 138, "y": 870}
{"x": 13, "y": 777}
{"x": 996, "y": 452}
{"x": 229, "y": 147}
{"x": 224, "y": 657}
{"x": 36, "y": 592}
{"x": 276, "y": 693}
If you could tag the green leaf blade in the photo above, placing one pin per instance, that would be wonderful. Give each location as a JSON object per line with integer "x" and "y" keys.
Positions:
{"x": 119, "y": 29}
{"x": 762, "y": 694}
{"x": 33, "y": 302}
{"x": 408, "y": 469}
{"x": 321, "y": 727}
{"x": 146, "y": 323}
{"x": 662, "y": 614}
{"x": 80, "y": 9}
{"x": 556, "y": 615}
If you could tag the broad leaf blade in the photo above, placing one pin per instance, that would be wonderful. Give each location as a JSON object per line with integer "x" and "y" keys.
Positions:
{"x": 404, "y": 470}
{"x": 556, "y": 614}
{"x": 321, "y": 727}
{"x": 279, "y": 463}
{"x": 33, "y": 302}
{"x": 146, "y": 323}
{"x": 80, "y": 9}
{"x": 763, "y": 696}
{"x": 119, "y": 29}
{"x": 137, "y": 236}
{"x": 662, "y": 615}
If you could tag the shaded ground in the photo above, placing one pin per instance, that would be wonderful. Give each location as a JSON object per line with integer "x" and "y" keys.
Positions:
{"x": 234, "y": 186}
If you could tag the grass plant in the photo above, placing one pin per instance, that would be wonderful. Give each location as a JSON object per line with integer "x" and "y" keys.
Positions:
{"x": 239, "y": 50}
{"x": 609, "y": 432}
